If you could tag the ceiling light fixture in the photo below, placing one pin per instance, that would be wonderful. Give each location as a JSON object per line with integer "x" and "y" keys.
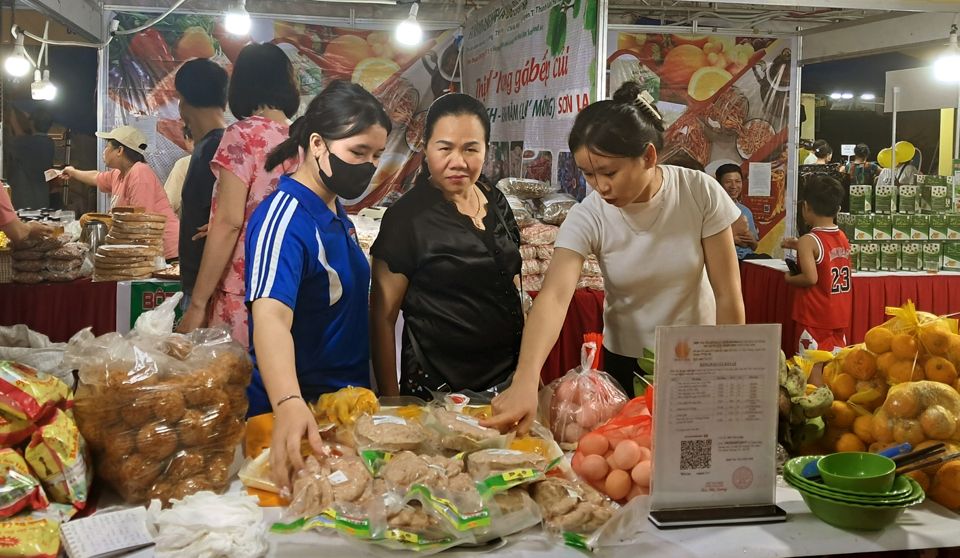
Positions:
{"x": 835, "y": 96}
{"x": 409, "y": 32}
{"x": 42, "y": 89}
{"x": 846, "y": 96}
{"x": 868, "y": 97}
{"x": 947, "y": 67}
{"x": 18, "y": 63}
{"x": 237, "y": 21}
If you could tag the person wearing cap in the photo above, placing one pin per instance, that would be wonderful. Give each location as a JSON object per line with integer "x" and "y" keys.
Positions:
{"x": 131, "y": 182}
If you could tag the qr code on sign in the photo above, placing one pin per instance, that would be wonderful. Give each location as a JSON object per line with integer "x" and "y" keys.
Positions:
{"x": 695, "y": 454}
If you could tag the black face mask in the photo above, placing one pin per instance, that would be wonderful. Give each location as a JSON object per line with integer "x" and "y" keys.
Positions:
{"x": 348, "y": 181}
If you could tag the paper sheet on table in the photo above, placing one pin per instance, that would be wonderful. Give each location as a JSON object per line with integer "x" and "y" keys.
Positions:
{"x": 760, "y": 180}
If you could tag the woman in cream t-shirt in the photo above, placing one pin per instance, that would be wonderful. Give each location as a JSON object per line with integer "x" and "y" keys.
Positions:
{"x": 661, "y": 235}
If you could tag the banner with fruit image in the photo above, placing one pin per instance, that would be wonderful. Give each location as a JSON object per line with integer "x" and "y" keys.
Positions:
{"x": 406, "y": 79}
{"x": 533, "y": 64}
{"x": 726, "y": 99}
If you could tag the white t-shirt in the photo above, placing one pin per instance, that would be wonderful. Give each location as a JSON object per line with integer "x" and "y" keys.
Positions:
{"x": 174, "y": 185}
{"x": 651, "y": 256}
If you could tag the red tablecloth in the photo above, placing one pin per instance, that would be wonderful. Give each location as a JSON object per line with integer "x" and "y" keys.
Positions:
{"x": 59, "y": 310}
{"x": 584, "y": 316}
{"x": 768, "y": 299}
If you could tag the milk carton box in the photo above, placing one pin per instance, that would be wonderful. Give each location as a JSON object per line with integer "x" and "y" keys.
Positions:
{"x": 919, "y": 227}
{"x": 889, "y": 256}
{"x": 901, "y": 226}
{"x": 861, "y": 199}
{"x": 882, "y": 227}
{"x": 863, "y": 227}
{"x": 847, "y": 224}
{"x": 951, "y": 256}
{"x": 869, "y": 256}
{"x": 953, "y": 227}
{"x": 933, "y": 192}
{"x": 854, "y": 256}
{"x": 885, "y": 199}
{"x": 932, "y": 256}
{"x": 908, "y": 199}
{"x": 938, "y": 227}
{"x": 911, "y": 256}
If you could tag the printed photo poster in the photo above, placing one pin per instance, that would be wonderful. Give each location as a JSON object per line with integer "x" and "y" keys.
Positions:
{"x": 405, "y": 79}
{"x": 533, "y": 64}
{"x": 725, "y": 99}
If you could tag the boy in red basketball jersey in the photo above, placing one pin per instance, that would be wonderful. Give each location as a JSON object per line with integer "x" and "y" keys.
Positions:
{"x": 823, "y": 304}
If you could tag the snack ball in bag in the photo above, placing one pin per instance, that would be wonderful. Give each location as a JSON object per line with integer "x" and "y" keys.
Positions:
{"x": 18, "y": 487}
{"x": 58, "y": 456}
{"x": 27, "y": 394}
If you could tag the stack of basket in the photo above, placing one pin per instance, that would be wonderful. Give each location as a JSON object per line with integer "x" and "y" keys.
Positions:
{"x": 132, "y": 247}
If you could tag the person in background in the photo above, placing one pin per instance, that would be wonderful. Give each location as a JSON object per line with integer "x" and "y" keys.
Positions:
{"x": 448, "y": 255}
{"x": 746, "y": 236}
{"x": 31, "y": 154}
{"x": 862, "y": 171}
{"x": 15, "y": 229}
{"x": 308, "y": 278}
{"x": 131, "y": 182}
{"x": 174, "y": 184}
{"x": 824, "y": 154}
{"x": 811, "y": 158}
{"x": 906, "y": 174}
{"x": 264, "y": 94}
{"x": 822, "y": 308}
{"x": 662, "y": 235}
{"x": 202, "y": 86}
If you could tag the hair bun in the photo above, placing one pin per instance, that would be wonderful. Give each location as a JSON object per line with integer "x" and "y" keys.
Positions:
{"x": 628, "y": 92}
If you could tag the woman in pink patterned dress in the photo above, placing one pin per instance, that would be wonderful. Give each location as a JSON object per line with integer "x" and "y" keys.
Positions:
{"x": 264, "y": 95}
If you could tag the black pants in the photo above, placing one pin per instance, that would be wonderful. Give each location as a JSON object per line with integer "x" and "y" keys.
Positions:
{"x": 623, "y": 369}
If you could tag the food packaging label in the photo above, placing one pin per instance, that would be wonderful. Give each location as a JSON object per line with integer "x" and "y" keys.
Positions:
{"x": 933, "y": 192}
{"x": 901, "y": 226}
{"x": 387, "y": 419}
{"x": 863, "y": 227}
{"x": 931, "y": 257}
{"x": 911, "y": 256}
{"x": 938, "y": 227}
{"x": 854, "y": 256}
{"x": 882, "y": 227}
{"x": 908, "y": 199}
{"x": 847, "y": 224}
{"x": 869, "y": 253}
{"x": 885, "y": 199}
{"x": 337, "y": 478}
{"x": 469, "y": 420}
{"x": 890, "y": 256}
{"x": 920, "y": 227}
{"x": 860, "y": 199}
{"x": 953, "y": 227}
{"x": 951, "y": 256}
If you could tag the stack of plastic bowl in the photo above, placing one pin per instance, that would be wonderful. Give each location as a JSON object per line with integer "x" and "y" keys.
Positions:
{"x": 859, "y": 491}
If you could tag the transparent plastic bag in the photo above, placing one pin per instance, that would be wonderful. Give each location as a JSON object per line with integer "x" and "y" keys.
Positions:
{"x": 462, "y": 432}
{"x": 511, "y": 511}
{"x": 545, "y": 252}
{"x": 59, "y": 458}
{"x": 572, "y": 511}
{"x": 525, "y": 188}
{"x": 530, "y": 267}
{"x": 538, "y": 234}
{"x": 583, "y": 399}
{"x": 555, "y": 207}
{"x": 523, "y": 211}
{"x": 528, "y": 252}
{"x": 531, "y": 282}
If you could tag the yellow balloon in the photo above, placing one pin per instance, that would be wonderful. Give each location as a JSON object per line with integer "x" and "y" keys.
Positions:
{"x": 905, "y": 151}
{"x": 883, "y": 158}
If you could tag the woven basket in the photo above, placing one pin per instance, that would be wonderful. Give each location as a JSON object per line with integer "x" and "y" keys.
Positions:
{"x": 6, "y": 266}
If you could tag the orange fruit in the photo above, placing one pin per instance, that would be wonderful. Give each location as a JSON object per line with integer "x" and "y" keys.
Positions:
{"x": 878, "y": 340}
{"x": 345, "y": 52}
{"x": 940, "y": 370}
{"x": 902, "y": 402}
{"x": 843, "y": 386}
{"x": 860, "y": 364}
{"x": 922, "y": 479}
{"x": 840, "y": 414}
{"x": 372, "y": 72}
{"x": 885, "y": 361}
{"x": 877, "y": 386}
{"x": 949, "y": 475}
{"x": 681, "y": 63}
{"x": 882, "y": 430}
{"x": 908, "y": 431}
{"x": 905, "y": 346}
{"x": 938, "y": 423}
{"x": 831, "y": 436}
{"x": 850, "y": 442}
{"x": 944, "y": 496}
{"x": 863, "y": 428}
{"x": 953, "y": 352}
{"x": 705, "y": 82}
{"x": 935, "y": 340}
{"x": 905, "y": 371}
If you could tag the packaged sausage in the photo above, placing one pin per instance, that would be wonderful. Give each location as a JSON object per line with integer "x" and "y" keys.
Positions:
{"x": 538, "y": 234}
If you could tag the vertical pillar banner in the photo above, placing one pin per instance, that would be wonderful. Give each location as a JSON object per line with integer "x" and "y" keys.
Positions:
{"x": 533, "y": 64}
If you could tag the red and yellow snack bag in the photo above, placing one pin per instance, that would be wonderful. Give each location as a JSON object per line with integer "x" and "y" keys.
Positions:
{"x": 18, "y": 487}
{"x": 58, "y": 456}
{"x": 32, "y": 535}
{"x": 15, "y": 430}
{"x": 29, "y": 395}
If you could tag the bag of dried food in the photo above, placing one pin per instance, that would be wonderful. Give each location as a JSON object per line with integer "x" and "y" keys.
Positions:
{"x": 162, "y": 413}
{"x": 19, "y": 489}
{"x": 555, "y": 207}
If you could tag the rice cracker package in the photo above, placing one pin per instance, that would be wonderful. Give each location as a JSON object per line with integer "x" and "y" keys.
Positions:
{"x": 26, "y": 394}
{"x": 18, "y": 488}
{"x": 58, "y": 455}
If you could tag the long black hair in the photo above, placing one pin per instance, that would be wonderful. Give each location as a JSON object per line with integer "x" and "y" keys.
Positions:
{"x": 622, "y": 127}
{"x": 341, "y": 110}
{"x": 453, "y": 104}
{"x": 263, "y": 76}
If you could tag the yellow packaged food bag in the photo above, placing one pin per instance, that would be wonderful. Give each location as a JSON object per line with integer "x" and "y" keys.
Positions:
{"x": 30, "y": 536}
{"x": 58, "y": 456}
{"x": 19, "y": 489}
{"x": 345, "y": 406}
{"x": 28, "y": 395}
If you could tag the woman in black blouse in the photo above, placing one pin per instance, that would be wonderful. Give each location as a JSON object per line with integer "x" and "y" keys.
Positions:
{"x": 448, "y": 256}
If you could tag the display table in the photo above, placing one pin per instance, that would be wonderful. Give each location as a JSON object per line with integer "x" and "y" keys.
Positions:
{"x": 60, "y": 310}
{"x": 928, "y": 525}
{"x": 584, "y": 316}
{"x": 768, "y": 299}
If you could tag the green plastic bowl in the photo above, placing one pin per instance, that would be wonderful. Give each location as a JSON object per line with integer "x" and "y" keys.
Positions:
{"x": 912, "y": 498}
{"x": 851, "y": 516}
{"x": 858, "y": 471}
{"x": 793, "y": 468}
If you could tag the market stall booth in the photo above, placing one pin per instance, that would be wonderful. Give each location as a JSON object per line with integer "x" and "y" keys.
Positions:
{"x": 162, "y": 413}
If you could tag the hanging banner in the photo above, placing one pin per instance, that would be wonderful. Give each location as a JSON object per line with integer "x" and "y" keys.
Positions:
{"x": 725, "y": 99}
{"x": 533, "y": 63}
{"x": 405, "y": 79}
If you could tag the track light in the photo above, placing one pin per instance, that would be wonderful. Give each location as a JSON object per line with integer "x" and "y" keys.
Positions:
{"x": 846, "y": 96}
{"x": 409, "y": 32}
{"x": 947, "y": 67}
{"x": 18, "y": 64}
{"x": 237, "y": 21}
